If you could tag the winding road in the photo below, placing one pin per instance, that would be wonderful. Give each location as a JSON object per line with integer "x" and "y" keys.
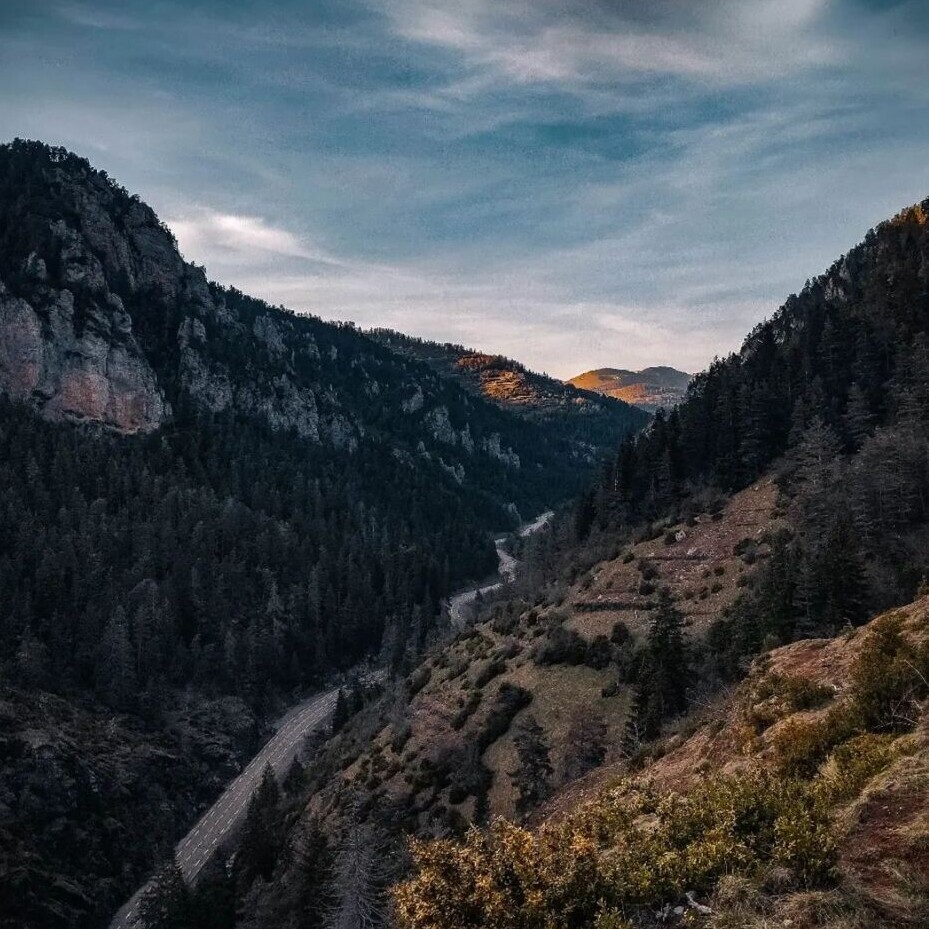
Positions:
{"x": 222, "y": 819}
{"x": 198, "y": 846}
{"x": 458, "y": 604}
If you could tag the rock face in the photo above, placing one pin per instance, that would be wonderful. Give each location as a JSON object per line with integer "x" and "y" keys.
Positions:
{"x": 582, "y": 425}
{"x": 84, "y": 268}
{"x": 95, "y": 375}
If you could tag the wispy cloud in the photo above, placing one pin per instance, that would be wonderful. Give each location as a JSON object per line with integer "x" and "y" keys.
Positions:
{"x": 244, "y": 239}
{"x": 579, "y": 43}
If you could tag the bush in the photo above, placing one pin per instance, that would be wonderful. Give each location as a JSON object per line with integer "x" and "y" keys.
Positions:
{"x": 853, "y": 764}
{"x": 466, "y": 710}
{"x": 599, "y": 653}
{"x": 620, "y": 634}
{"x": 562, "y": 646}
{"x": 418, "y": 680}
{"x": 487, "y": 672}
{"x": 510, "y": 699}
{"x": 631, "y": 848}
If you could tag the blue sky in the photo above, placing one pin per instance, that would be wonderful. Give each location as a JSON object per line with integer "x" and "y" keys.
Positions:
{"x": 574, "y": 184}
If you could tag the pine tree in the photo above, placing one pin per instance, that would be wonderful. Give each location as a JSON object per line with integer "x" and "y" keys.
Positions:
{"x": 359, "y": 879}
{"x": 313, "y": 872}
{"x": 668, "y": 665}
{"x": 259, "y": 843}
{"x": 585, "y": 745}
{"x": 859, "y": 420}
{"x": 533, "y": 774}
{"x": 166, "y": 902}
{"x": 115, "y": 673}
{"x": 341, "y": 714}
{"x": 293, "y": 781}
{"x": 663, "y": 675}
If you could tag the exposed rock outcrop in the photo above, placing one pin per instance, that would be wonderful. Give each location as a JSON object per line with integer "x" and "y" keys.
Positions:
{"x": 95, "y": 374}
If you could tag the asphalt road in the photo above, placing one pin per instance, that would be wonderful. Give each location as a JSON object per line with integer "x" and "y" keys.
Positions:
{"x": 506, "y": 570}
{"x": 198, "y": 846}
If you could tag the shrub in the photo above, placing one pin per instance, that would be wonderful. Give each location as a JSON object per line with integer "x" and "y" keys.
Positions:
{"x": 620, "y": 634}
{"x": 418, "y": 680}
{"x": 889, "y": 679}
{"x": 487, "y": 672}
{"x": 599, "y": 653}
{"x": 631, "y": 848}
{"x": 852, "y": 765}
{"x": 510, "y": 699}
{"x": 562, "y": 646}
{"x": 801, "y": 745}
{"x": 466, "y": 710}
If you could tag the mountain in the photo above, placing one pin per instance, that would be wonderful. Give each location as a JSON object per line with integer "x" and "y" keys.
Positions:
{"x": 650, "y": 389}
{"x": 682, "y": 707}
{"x": 210, "y": 505}
{"x": 580, "y": 419}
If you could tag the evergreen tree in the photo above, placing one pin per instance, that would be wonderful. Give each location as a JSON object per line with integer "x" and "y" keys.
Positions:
{"x": 664, "y": 672}
{"x": 585, "y": 743}
{"x": 116, "y": 678}
{"x": 313, "y": 872}
{"x": 342, "y": 712}
{"x": 260, "y": 840}
{"x": 166, "y": 902}
{"x": 359, "y": 879}
{"x": 533, "y": 774}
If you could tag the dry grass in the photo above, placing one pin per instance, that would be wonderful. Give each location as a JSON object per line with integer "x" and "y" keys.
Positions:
{"x": 558, "y": 691}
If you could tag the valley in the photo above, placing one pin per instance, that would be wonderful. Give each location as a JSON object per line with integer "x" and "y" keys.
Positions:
{"x": 464, "y": 465}
{"x": 217, "y": 827}
{"x": 673, "y": 699}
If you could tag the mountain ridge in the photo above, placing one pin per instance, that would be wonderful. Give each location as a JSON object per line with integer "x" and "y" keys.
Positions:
{"x": 583, "y": 420}
{"x": 652, "y": 388}
{"x": 751, "y": 516}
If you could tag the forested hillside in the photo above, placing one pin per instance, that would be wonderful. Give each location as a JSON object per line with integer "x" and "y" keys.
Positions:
{"x": 835, "y": 386}
{"x": 580, "y": 423}
{"x": 210, "y": 504}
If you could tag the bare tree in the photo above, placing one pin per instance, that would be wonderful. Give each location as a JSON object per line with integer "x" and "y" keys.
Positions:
{"x": 358, "y": 883}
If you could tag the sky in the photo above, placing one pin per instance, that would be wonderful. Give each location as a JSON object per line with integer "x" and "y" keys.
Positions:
{"x": 572, "y": 184}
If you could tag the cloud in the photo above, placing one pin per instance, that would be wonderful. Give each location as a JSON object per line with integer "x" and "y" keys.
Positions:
{"x": 222, "y": 237}
{"x": 576, "y": 44}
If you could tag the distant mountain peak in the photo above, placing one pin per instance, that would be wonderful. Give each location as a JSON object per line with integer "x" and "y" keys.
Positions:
{"x": 650, "y": 389}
